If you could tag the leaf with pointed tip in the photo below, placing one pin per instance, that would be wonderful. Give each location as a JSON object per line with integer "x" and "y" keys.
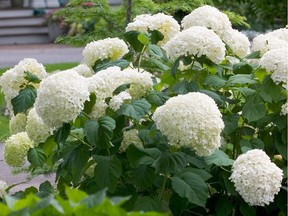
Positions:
{"x": 24, "y": 100}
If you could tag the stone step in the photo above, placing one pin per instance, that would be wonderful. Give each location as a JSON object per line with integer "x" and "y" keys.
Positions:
{"x": 25, "y": 39}
{"x": 23, "y": 31}
{"x": 20, "y": 22}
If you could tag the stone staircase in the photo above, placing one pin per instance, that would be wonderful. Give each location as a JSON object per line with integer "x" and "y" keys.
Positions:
{"x": 21, "y": 26}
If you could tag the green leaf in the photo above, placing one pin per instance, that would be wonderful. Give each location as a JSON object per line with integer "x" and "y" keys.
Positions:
{"x": 184, "y": 87}
{"x": 191, "y": 186}
{"x": 155, "y": 51}
{"x": 253, "y": 111}
{"x": 131, "y": 38}
{"x": 159, "y": 64}
{"x": 157, "y": 98}
{"x": 94, "y": 199}
{"x": 88, "y": 105}
{"x": 143, "y": 38}
{"x": 254, "y": 55}
{"x": 223, "y": 207}
{"x": 31, "y": 77}
{"x": 122, "y": 63}
{"x": 242, "y": 68}
{"x": 213, "y": 95}
{"x": 169, "y": 163}
{"x": 107, "y": 171}
{"x": 99, "y": 133}
{"x": 121, "y": 88}
{"x": 246, "y": 91}
{"x": 74, "y": 162}
{"x": 175, "y": 66}
{"x": 156, "y": 36}
{"x": 231, "y": 123}
{"x": 240, "y": 79}
{"x": 24, "y": 100}
{"x": 201, "y": 172}
{"x": 247, "y": 210}
{"x": 219, "y": 158}
{"x": 75, "y": 195}
{"x": 143, "y": 176}
{"x": 137, "y": 109}
{"x": 147, "y": 203}
{"x": 62, "y": 133}
{"x": 270, "y": 91}
{"x": 215, "y": 81}
{"x": 37, "y": 157}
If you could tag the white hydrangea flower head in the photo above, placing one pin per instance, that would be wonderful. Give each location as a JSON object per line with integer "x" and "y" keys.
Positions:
{"x": 13, "y": 79}
{"x": 161, "y": 22}
{"x": 256, "y": 178}
{"x": 266, "y": 42}
{"x": 130, "y": 137}
{"x": 84, "y": 70}
{"x": 210, "y": 17}
{"x": 276, "y": 61}
{"x": 284, "y": 109}
{"x": 16, "y": 149}
{"x": 3, "y": 187}
{"x": 281, "y": 34}
{"x": 17, "y": 123}
{"x": 108, "y": 48}
{"x": 61, "y": 97}
{"x": 36, "y": 129}
{"x": 117, "y": 100}
{"x": 192, "y": 120}
{"x": 196, "y": 41}
{"x": 238, "y": 42}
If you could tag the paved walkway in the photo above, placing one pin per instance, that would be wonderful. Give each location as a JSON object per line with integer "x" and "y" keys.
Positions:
{"x": 10, "y": 55}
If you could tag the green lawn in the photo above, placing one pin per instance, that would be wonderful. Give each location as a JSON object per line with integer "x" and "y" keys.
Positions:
{"x": 4, "y": 121}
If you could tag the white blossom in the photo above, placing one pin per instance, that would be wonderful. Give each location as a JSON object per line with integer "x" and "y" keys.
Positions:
{"x": 276, "y": 61}
{"x": 238, "y": 42}
{"x": 3, "y": 187}
{"x": 256, "y": 178}
{"x": 284, "y": 109}
{"x": 108, "y": 48}
{"x": 161, "y": 22}
{"x": 61, "y": 97}
{"x": 36, "y": 129}
{"x": 17, "y": 123}
{"x": 130, "y": 137}
{"x": 281, "y": 34}
{"x": 196, "y": 41}
{"x": 84, "y": 70}
{"x": 117, "y": 100}
{"x": 16, "y": 149}
{"x": 209, "y": 17}
{"x": 192, "y": 120}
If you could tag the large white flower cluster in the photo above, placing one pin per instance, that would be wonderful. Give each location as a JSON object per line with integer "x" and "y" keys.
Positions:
{"x": 17, "y": 123}
{"x": 117, "y": 100}
{"x": 209, "y": 17}
{"x": 196, "y": 41}
{"x": 237, "y": 41}
{"x": 61, "y": 97}
{"x": 108, "y": 48}
{"x": 276, "y": 61}
{"x": 269, "y": 41}
{"x": 3, "y": 187}
{"x": 104, "y": 82}
{"x": 36, "y": 129}
{"x": 192, "y": 120}
{"x": 130, "y": 137}
{"x": 13, "y": 79}
{"x": 166, "y": 24}
{"x": 84, "y": 70}
{"x": 256, "y": 178}
{"x": 281, "y": 34}
{"x": 16, "y": 149}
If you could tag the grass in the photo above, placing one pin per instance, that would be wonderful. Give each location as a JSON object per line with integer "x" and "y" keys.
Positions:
{"x": 4, "y": 121}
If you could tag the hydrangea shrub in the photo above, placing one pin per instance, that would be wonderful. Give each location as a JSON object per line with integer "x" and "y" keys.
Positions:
{"x": 182, "y": 121}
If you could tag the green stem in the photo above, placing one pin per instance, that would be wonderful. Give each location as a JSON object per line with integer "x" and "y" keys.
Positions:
{"x": 82, "y": 141}
{"x": 140, "y": 57}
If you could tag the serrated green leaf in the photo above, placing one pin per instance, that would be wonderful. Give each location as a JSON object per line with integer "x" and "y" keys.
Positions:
{"x": 242, "y": 68}
{"x": 143, "y": 176}
{"x": 169, "y": 163}
{"x": 121, "y": 88}
{"x": 175, "y": 66}
{"x": 159, "y": 64}
{"x": 201, "y": 172}
{"x": 192, "y": 187}
{"x": 270, "y": 91}
{"x": 213, "y": 95}
{"x": 94, "y": 199}
{"x": 88, "y": 105}
{"x": 156, "y": 36}
{"x": 137, "y": 109}
{"x": 219, "y": 158}
{"x": 31, "y": 77}
{"x": 122, "y": 63}
{"x": 184, "y": 87}
{"x": 253, "y": 111}
{"x": 254, "y": 55}
{"x": 157, "y": 98}
{"x": 155, "y": 51}
{"x": 215, "y": 81}
{"x": 131, "y": 38}
{"x": 37, "y": 157}
{"x": 143, "y": 38}
{"x": 246, "y": 91}
{"x": 107, "y": 171}
{"x": 240, "y": 79}
{"x": 147, "y": 203}
{"x": 24, "y": 100}
{"x": 62, "y": 133}
{"x": 100, "y": 132}
{"x": 231, "y": 123}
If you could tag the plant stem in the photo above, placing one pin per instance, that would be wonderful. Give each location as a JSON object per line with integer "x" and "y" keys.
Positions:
{"x": 140, "y": 57}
